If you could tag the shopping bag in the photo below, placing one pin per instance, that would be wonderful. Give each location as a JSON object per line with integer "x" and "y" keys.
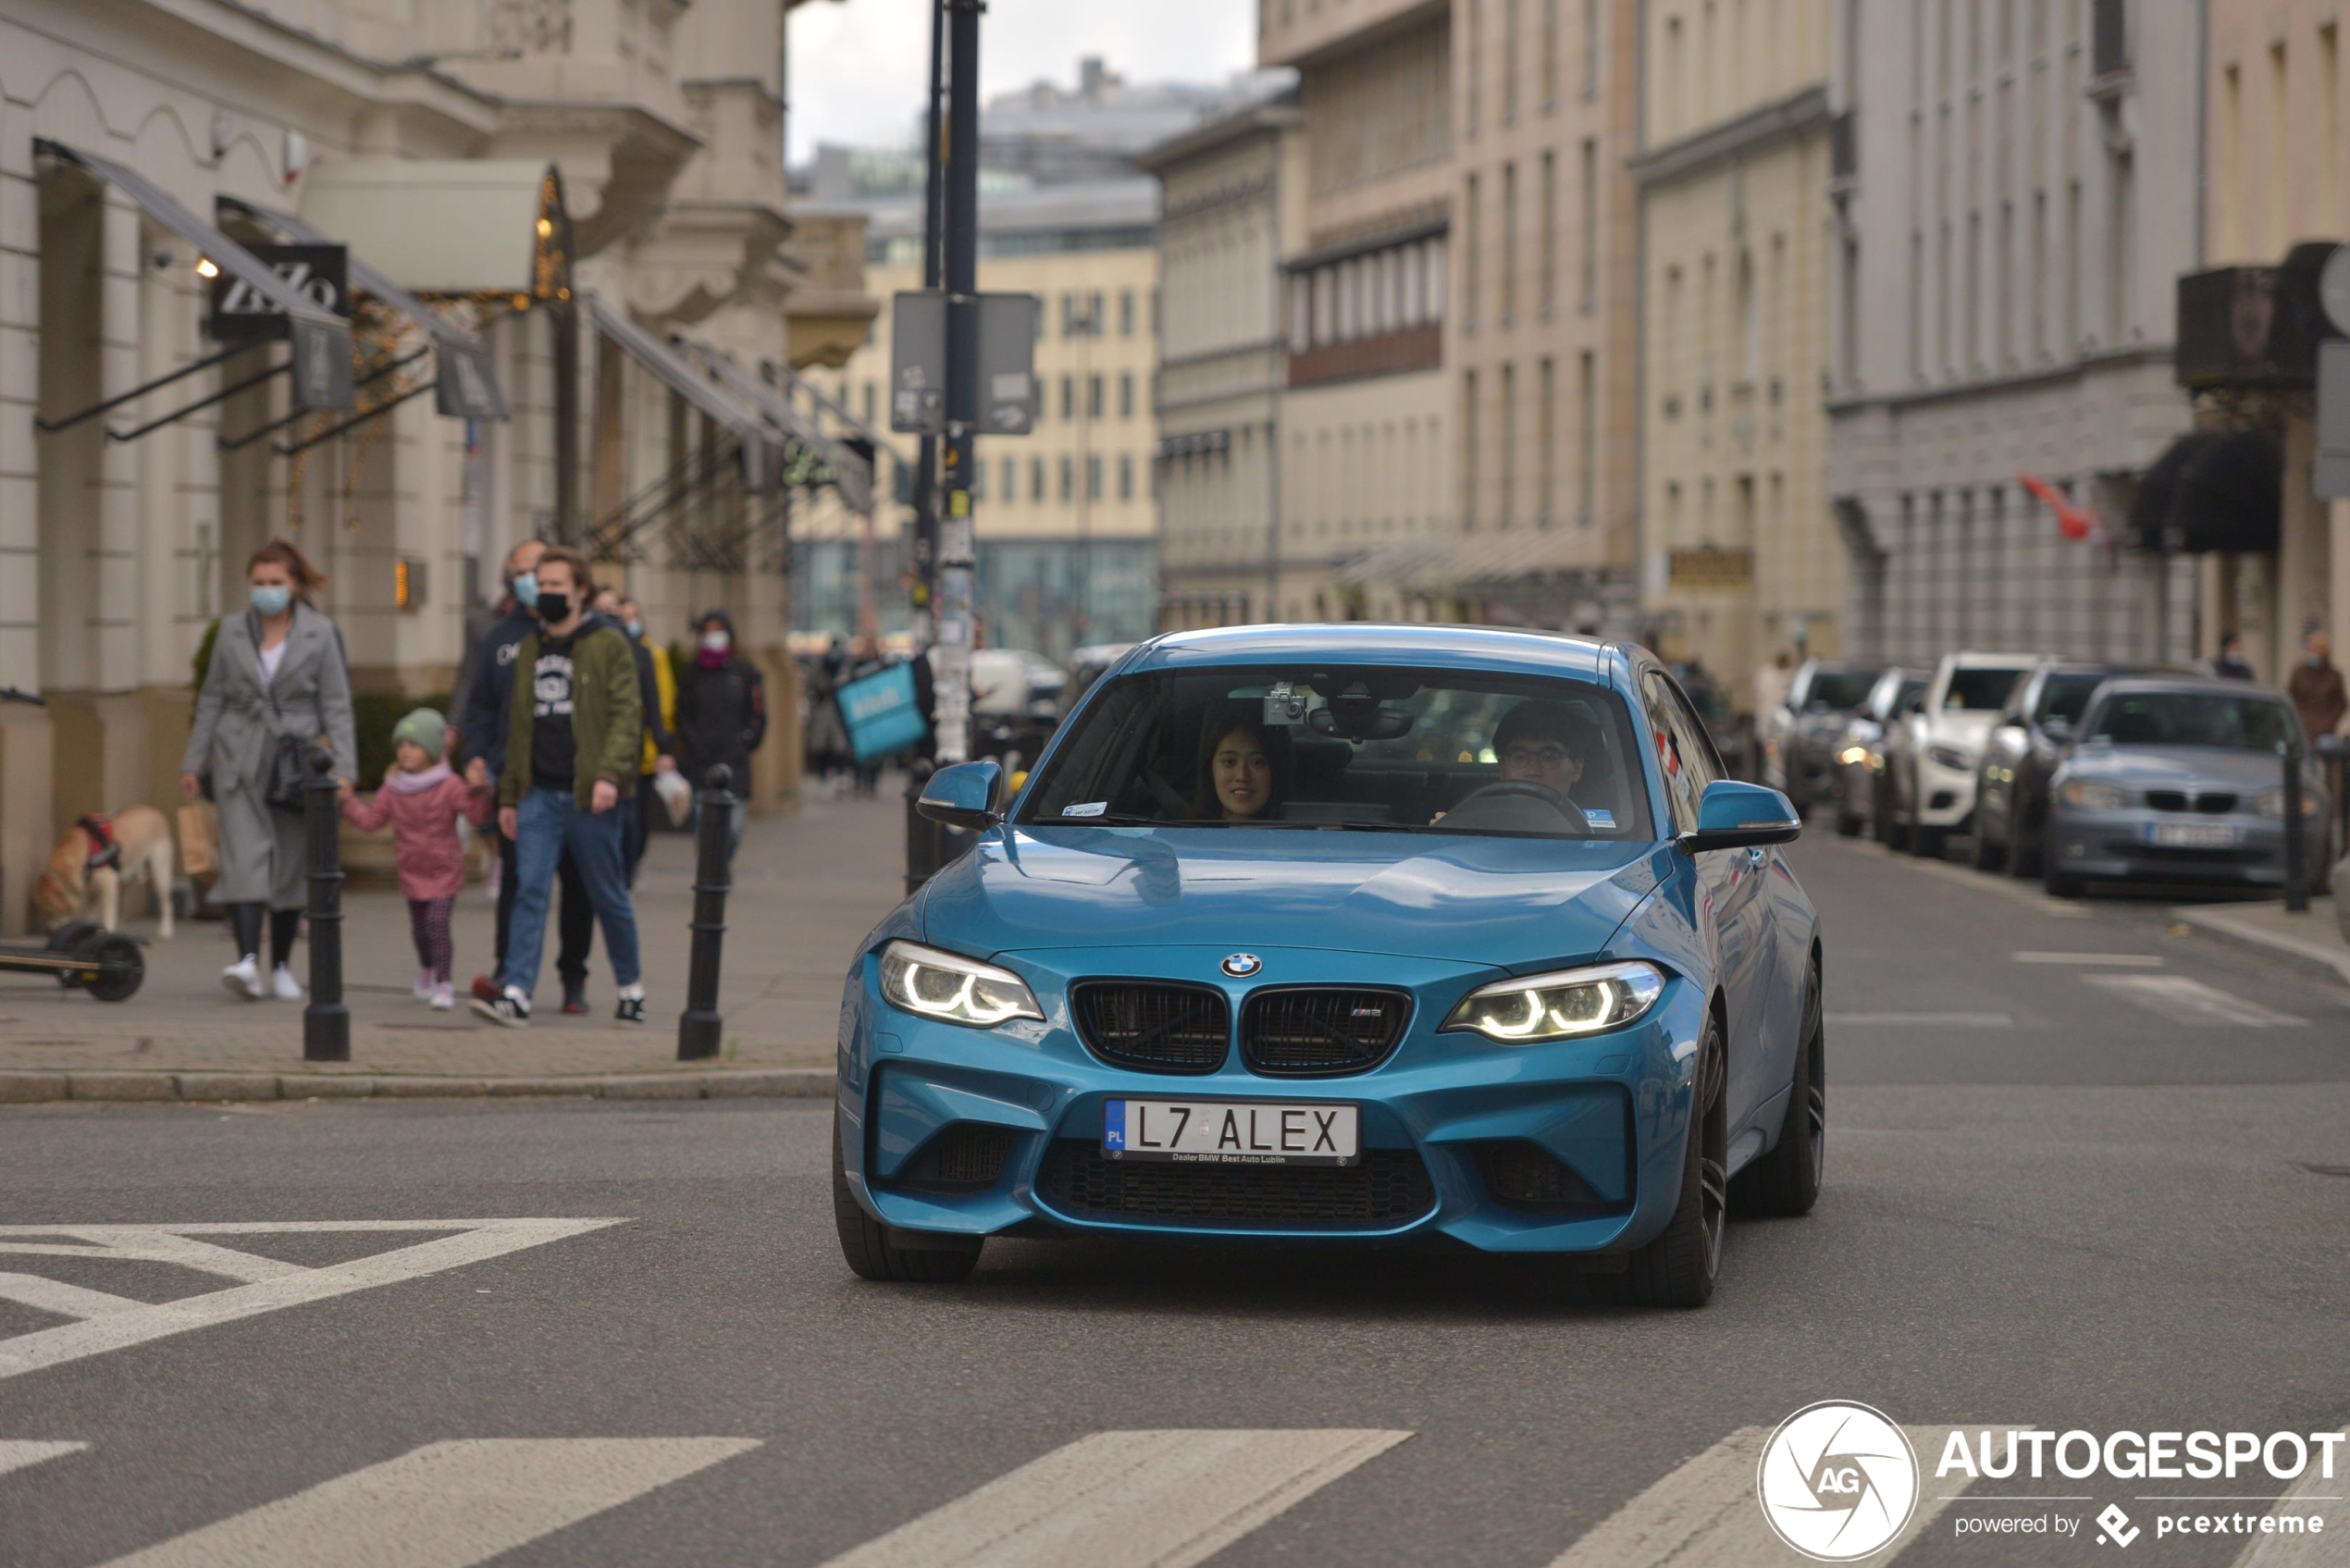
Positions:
{"x": 199, "y": 838}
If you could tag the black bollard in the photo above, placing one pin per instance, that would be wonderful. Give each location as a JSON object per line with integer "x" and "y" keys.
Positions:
{"x": 921, "y": 834}
{"x": 2296, "y": 842}
{"x": 325, "y": 1023}
{"x": 699, "y": 1026}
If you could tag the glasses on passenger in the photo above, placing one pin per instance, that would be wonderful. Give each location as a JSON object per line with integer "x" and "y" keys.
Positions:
{"x": 1544, "y": 757}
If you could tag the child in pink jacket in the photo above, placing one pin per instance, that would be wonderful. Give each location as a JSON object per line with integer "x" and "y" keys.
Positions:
{"x": 422, "y": 799}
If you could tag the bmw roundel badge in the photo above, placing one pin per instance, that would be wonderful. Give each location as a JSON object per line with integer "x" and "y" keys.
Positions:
{"x": 1240, "y": 965}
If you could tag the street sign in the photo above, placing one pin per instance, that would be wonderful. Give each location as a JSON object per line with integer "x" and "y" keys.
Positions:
{"x": 918, "y": 363}
{"x": 317, "y": 273}
{"x": 1008, "y": 363}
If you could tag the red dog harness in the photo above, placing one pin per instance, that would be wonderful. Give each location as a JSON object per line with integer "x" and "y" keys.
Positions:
{"x": 104, "y": 848}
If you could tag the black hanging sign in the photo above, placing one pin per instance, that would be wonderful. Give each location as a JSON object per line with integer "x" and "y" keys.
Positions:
{"x": 317, "y": 273}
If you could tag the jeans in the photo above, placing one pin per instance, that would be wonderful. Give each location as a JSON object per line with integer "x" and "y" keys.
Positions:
{"x": 575, "y": 926}
{"x": 549, "y": 823}
{"x": 738, "y": 818}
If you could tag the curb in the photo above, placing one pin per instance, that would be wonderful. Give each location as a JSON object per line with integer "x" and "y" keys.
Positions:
{"x": 37, "y": 1088}
{"x": 2314, "y": 957}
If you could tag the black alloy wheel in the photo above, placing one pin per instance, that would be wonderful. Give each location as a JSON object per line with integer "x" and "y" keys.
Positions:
{"x": 1679, "y": 1267}
{"x": 874, "y": 1250}
{"x": 1985, "y": 854}
{"x": 1785, "y": 1182}
{"x": 2023, "y": 834}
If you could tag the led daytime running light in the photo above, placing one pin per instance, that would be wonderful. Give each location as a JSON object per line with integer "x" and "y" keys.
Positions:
{"x": 1560, "y": 1006}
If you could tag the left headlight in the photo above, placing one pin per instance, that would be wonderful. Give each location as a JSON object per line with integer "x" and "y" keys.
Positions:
{"x": 1950, "y": 757}
{"x": 1559, "y": 1006}
{"x": 2272, "y": 802}
{"x": 952, "y": 988}
{"x": 2095, "y": 794}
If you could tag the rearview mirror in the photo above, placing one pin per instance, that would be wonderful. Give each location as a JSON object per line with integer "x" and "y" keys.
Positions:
{"x": 1731, "y": 815}
{"x": 963, "y": 796}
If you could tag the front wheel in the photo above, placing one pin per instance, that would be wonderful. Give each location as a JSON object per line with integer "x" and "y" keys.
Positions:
{"x": 1785, "y": 1182}
{"x": 2055, "y": 881}
{"x": 1679, "y": 1267}
{"x": 874, "y": 1250}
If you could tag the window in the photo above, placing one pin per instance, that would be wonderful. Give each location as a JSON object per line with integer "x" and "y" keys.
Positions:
{"x": 1587, "y": 288}
{"x": 1592, "y": 48}
{"x": 1679, "y": 757}
{"x": 1470, "y": 422}
{"x": 1011, "y": 479}
{"x": 1126, "y": 313}
{"x": 1549, "y": 52}
{"x": 1036, "y": 478}
{"x": 1473, "y": 222}
{"x": 1509, "y": 62}
{"x": 1546, "y": 444}
{"x": 1509, "y": 244}
{"x": 1550, "y": 239}
{"x": 1509, "y": 444}
{"x": 1069, "y": 396}
{"x": 979, "y": 481}
{"x": 1069, "y": 315}
{"x": 873, "y": 392}
{"x": 1587, "y": 440}
{"x": 1473, "y": 66}
{"x": 1092, "y": 477}
{"x": 1094, "y": 397}
{"x": 2120, "y": 245}
{"x": 1126, "y": 479}
{"x": 1126, "y": 394}
{"x": 1068, "y": 478}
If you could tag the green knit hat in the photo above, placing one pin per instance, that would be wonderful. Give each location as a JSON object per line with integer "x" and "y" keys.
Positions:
{"x": 427, "y": 728}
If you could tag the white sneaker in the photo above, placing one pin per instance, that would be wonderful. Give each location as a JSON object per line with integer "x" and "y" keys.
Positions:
{"x": 282, "y": 981}
{"x": 244, "y": 983}
{"x": 444, "y": 997}
{"x": 422, "y": 989}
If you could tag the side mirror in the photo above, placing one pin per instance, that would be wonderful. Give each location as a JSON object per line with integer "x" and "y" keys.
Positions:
{"x": 1731, "y": 815}
{"x": 963, "y": 796}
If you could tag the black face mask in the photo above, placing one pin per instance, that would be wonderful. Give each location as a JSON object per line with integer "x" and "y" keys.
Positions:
{"x": 553, "y": 608}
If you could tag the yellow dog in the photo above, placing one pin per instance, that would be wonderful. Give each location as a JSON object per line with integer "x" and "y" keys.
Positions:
{"x": 97, "y": 857}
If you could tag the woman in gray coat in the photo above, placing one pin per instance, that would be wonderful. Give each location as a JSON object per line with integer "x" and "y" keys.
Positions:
{"x": 277, "y": 670}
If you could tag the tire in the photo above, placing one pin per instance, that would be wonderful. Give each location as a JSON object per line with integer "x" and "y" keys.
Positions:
{"x": 1985, "y": 855}
{"x": 2056, "y": 882}
{"x": 870, "y": 1247}
{"x": 121, "y": 970}
{"x": 1881, "y": 810}
{"x": 1784, "y": 1183}
{"x": 1928, "y": 844}
{"x": 1848, "y": 825}
{"x": 1679, "y": 1267}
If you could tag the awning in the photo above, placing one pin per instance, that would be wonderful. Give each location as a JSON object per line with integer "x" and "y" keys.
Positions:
{"x": 465, "y": 386}
{"x": 2213, "y": 492}
{"x": 456, "y": 226}
{"x": 851, "y": 475}
{"x": 696, "y": 386}
{"x": 321, "y": 341}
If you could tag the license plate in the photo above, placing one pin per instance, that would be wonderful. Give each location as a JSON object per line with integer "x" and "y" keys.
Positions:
{"x": 1223, "y": 1133}
{"x": 2191, "y": 835}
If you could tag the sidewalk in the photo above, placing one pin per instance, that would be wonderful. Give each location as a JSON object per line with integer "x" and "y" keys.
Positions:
{"x": 2312, "y": 942}
{"x": 805, "y": 888}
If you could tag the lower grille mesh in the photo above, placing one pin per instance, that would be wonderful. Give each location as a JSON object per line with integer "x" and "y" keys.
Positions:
{"x": 966, "y": 1158}
{"x": 1386, "y": 1187}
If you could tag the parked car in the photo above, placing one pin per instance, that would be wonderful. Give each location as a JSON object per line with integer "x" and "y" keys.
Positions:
{"x": 2178, "y": 779}
{"x": 1366, "y": 936}
{"x": 1800, "y": 738}
{"x": 1935, "y": 750}
{"x": 1016, "y": 704}
{"x": 1858, "y": 780}
{"x": 2027, "y": 739}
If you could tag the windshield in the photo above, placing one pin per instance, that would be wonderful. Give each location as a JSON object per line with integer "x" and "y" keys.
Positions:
{"x": 1839, "y": 690}
{"x": 1364, "y": 747}
{"x": 2066, "y": 695}
{"x": 1979, "y": 688}
{"x": 2194, "y": 718}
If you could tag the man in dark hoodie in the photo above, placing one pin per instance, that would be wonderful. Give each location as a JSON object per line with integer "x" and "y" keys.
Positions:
{"x": 722, "y": 714}
{"x": 487, "y": 692}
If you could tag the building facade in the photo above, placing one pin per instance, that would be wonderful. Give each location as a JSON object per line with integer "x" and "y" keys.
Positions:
{"x": 1369, "y": 447}
{"x": 2277, "y": 170}
{"x": 1231, "y": 191}
{"x": 1542, "y": 342}
{"x": 565, "y": 184}
{"x": 1738, "y": 555}
{"x": 2016, "y": 200}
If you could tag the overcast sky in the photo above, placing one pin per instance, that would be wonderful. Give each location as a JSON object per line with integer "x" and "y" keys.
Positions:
{"x": 858, "y": 66}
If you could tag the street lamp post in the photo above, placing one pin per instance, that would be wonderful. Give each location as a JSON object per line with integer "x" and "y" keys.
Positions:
{"x": 952, "y": 622}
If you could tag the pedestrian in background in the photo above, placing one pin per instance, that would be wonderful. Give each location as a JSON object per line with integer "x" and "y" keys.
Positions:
{"x": 2316, "y": 687}
{"x": 486, "y": 699}
{"x": 1773, "y": 684}
{"x": 277, "y": 687}
{"x": 658, "y": 692}
{"x": 421, "y": 801}
{"x": 571, "y": 739}
{"x": 2230, "y": 664}
{"x": 722, "y": 716}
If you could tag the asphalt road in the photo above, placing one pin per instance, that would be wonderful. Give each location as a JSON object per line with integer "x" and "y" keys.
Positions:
{"x": 2062, "y": 1192}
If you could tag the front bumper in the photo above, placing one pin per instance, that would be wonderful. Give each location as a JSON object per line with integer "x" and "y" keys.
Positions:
{"x": 1611, "y": 1109}
{"x": 2117, "y": 845}
{"x": 1945, "y": 795}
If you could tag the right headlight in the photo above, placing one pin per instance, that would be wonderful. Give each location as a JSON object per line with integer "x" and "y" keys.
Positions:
{"x": 2272, "y": 802}
{"x": 2092, "y": 795}
{"x": 1559, "y": 1006}
{"x": 937, "y": 984}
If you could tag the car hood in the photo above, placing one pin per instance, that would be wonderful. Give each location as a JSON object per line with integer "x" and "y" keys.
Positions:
{"x": 1500, "y": 901}
{"x": 2177, "y": 767}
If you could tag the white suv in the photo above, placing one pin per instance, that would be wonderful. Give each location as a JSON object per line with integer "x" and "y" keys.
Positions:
{"x": 1936, "y": 747}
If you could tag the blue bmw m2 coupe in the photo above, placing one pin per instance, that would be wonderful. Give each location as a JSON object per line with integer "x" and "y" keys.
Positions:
{"x": 1368, "y": 935}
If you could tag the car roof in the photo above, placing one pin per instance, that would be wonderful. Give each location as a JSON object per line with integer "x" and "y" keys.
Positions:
{"x": 1359, "y": 642}
{"x": 1974, "y": 660}
{"x": 2125, "y": 684}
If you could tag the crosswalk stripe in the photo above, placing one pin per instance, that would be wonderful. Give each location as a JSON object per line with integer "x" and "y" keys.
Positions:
{"x": 1705, "y": 1514}
{"x": 2178, "y": 998}
{"x": 66, "y": 1301}
{"x": 445, "y": 1505}
{"x": 1127, "y": 1500}
{"x": 16, "y": 1453}
{"x": 2110, "y": 960}
{"x": 269, "y": 1289}
{"x": 2305, "y": 1551}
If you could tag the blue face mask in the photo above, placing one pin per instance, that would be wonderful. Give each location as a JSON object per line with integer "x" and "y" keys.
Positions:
{"x": 273, "y": 599}
{"x": 526, "y": 586}
{"x": 635, "y": 628}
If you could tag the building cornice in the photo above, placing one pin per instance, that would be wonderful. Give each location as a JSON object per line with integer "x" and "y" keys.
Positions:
{"x": 1282, "y": 113}
{"x": 2044, "y": 376}
{"x": 1762, "y": 126}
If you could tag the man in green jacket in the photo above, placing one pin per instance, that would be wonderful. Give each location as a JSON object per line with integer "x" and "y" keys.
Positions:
{"x": 572, "y": 738}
